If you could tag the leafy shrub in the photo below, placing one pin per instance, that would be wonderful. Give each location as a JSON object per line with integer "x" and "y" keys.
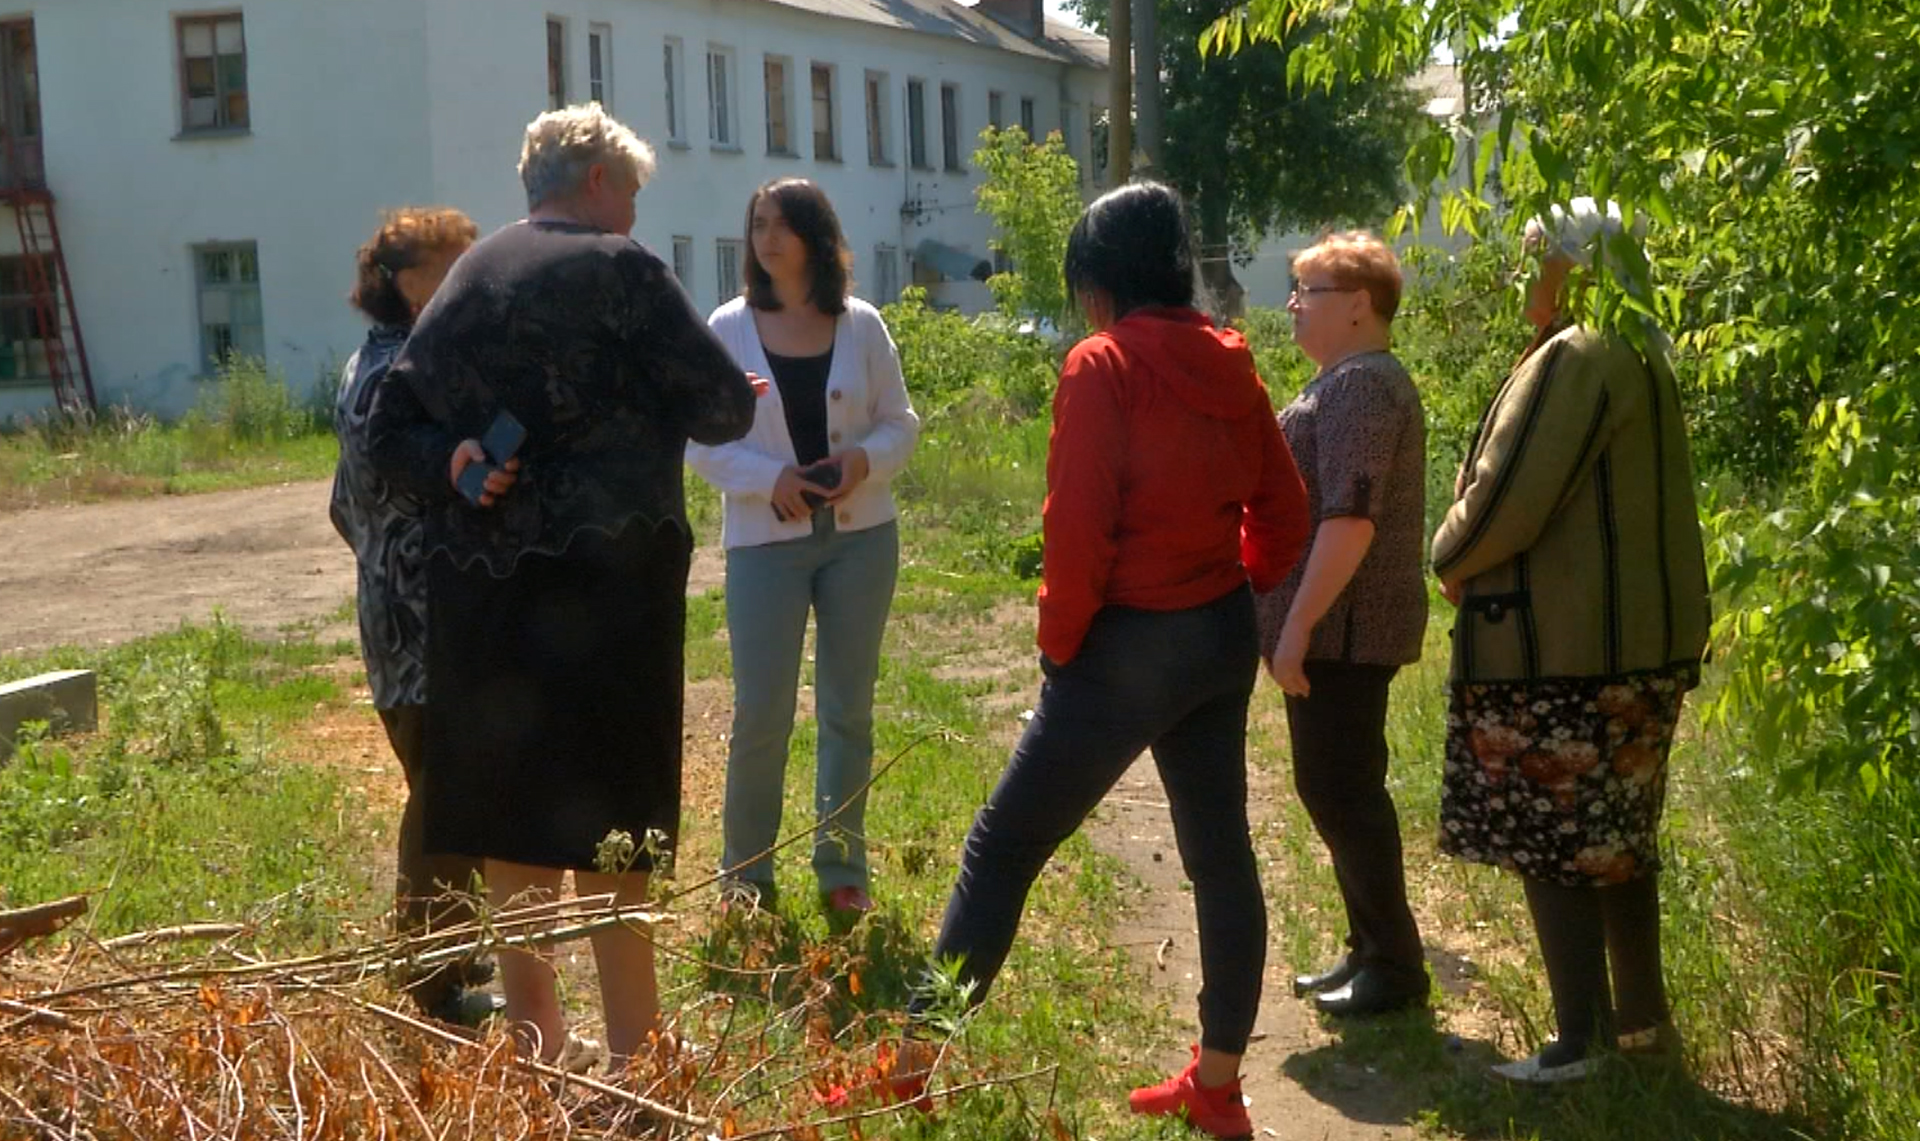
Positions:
{"x": 252, "y": 403}
{"x": 953, "y": 362}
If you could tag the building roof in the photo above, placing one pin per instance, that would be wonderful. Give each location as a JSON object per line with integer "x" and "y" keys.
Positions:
{"x": 957, "y": 21}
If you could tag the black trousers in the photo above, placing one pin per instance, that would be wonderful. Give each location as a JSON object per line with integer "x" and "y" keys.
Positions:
{"x": 1339, "y": 734}
{"x": 1176, "y": 682}
{"x": 422, "y": 887}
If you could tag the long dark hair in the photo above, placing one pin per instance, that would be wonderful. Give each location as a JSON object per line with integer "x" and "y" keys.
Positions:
{"x": 1133, "y": 245}
{"x": 810, "y": 216}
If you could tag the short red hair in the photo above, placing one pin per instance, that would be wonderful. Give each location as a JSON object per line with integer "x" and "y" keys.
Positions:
{"x": 1356, "y": 259}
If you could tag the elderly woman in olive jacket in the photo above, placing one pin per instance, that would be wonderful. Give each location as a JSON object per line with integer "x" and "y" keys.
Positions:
{"x": 1573, "y": 552}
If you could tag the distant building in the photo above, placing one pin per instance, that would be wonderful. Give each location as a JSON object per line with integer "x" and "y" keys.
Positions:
{"x": 211, "y": 172}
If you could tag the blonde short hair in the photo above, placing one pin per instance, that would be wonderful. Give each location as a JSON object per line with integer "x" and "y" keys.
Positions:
{"x": 562, "y": 145}
{"x": 1357, "y": 260}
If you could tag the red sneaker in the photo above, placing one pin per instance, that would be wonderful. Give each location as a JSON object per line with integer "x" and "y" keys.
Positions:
{"x": 849, "y": 901}
{"x": 1219, "y": 1111}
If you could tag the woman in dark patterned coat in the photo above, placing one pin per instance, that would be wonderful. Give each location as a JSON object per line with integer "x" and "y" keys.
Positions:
{"x": 1573, "y": 551}
{"x": 557, "y": 598}
{"x": 399, "y": 270}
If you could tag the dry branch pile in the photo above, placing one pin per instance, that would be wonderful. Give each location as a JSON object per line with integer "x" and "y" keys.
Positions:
{"x": 118, "y": 1041}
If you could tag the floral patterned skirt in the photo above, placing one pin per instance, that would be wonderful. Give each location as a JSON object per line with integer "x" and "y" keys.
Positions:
{"x": 1562, "y": 780}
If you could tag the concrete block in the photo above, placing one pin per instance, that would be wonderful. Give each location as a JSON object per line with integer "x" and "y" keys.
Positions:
{"x": 69, "y": 700}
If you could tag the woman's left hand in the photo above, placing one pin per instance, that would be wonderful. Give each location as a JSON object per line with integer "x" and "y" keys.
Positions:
{"x": 853, "y": 472}
{"x": 1288, "y": 664}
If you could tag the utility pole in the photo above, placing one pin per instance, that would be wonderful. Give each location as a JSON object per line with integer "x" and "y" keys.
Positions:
{"x": 1146, "y": 81}
{"x": 1120, "y": 94}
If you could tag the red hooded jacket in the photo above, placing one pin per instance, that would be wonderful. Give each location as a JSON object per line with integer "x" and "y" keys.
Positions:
{"x": 1168, "y": 481}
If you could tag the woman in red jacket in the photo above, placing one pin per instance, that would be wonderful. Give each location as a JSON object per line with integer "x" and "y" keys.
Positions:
{"x": 1169, "y": 491}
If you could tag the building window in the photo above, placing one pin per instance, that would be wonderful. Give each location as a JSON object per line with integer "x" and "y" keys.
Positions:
{"x": 826, "y": 140}
{"x": 994, "y": 110}
{"x": 24, "y": 328}
{"x": 230, "y": 321}
{"x": 683, "y": 262}
{"x": 950, "y": 126}
{"x": 886, "y": 274}
{"x": 727, "y": 268}
{"x": 779, "y": 134}
{"x": 1069, "y": 116}
{"x": 676, "y": 91}
{"x": 879, "y": 114}
{"x": 917, "y": 123}
{"x": 1026, "y": 116}
{"x": 720, "y": 112}
{"x": 1097, "y": 151}
{"x": 20, "y": 164}
{"x": 213, "y": 73}
{"x": 556, "y": 64}
{"x": 600, "y": 65}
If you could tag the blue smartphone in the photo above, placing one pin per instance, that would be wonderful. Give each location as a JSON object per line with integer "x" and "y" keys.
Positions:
{"x": 501, "y": 441}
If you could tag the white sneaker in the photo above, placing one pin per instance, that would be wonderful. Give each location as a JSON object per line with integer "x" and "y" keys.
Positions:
{"x": 1530, "y": 1071}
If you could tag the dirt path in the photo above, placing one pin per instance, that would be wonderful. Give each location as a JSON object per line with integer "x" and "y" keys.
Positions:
{"x": 106, "y": 572}
{"x": 1342, "y": 1102}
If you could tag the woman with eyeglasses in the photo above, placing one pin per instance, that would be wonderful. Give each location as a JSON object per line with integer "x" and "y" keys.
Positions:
{"x": 1355, "y": 608}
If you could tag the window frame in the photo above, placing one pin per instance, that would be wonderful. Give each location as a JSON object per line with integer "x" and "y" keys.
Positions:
{"x": 917, "y": 123}
{"x": 682, "y": 247}
{"x": 815, "y": 69}
{"x": 886, "y": 273}
{"x": 721, "y": 247}
{"x": 600, "y": 59}
{"x": 723, "y": 121}
{"x": 557, "y": 78}
{"x": 1029, "y": 117}
{"x": 768, "y": 62}
{"x": 235, "y": 285}
{"x": 878, "y": 89}
{"x": 951, "y": 160}
{"x": 222, "y": 124}
{"x": 674, "y": 73}
{"x": 996, "y": 109}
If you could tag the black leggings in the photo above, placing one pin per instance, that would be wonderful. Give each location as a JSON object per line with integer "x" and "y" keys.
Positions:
{"x": 1582, "y": 931}
{"x": 1176, "y": 682}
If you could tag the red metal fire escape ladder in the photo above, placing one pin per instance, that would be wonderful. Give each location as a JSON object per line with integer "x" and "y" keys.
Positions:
{"x": 51, "y": 296}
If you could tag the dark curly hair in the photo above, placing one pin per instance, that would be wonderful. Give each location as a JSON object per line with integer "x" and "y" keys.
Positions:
{"x": 406, "y": 238}
{"x": 811, "y": 218}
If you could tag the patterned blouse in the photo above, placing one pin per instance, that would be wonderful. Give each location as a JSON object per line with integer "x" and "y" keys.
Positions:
{"x": 1359, "y": 437}
{"x": 382, "y": 525}
{"x": 589, "y": 341}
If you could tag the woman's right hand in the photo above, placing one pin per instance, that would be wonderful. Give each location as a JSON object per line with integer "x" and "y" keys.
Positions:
{"x": 498, "y": 481}
{"x": 786, "y": 494}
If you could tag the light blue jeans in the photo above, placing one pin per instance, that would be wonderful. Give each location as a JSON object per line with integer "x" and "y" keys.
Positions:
{"x": 846, "y": 579}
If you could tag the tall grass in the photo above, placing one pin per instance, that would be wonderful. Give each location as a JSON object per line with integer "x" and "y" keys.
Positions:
{"x": 183, "y": 807}
{"x": 248, "y": 428}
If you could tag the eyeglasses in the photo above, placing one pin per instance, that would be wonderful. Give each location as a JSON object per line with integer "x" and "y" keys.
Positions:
{"x": 1300, "y": 290}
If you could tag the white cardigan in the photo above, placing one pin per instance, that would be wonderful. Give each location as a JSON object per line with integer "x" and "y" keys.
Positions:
{"x": 867, "y": 407}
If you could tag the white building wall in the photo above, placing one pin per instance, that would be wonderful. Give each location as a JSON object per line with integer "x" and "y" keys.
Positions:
{"x": 361, "y": 105}
{"x": 337, "y": 132}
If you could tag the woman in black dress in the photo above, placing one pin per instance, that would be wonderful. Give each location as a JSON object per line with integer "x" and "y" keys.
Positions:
{"x": 557, "y": 595}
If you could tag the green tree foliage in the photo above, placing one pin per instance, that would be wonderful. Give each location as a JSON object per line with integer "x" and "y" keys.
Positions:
{"x": 1256, "y": 156}
{"x": 1032, "y": 193}
{"x": 1776, "y": 146}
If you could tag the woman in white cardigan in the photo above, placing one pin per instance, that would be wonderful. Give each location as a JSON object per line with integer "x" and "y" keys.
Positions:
{"x": 808, "y": 525}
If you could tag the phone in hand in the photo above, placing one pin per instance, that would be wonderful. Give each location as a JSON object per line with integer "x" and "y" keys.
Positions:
{"x": 501, "y": 442}
{"x": 821, "y": 473}
{"x": 825, "y": 474}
